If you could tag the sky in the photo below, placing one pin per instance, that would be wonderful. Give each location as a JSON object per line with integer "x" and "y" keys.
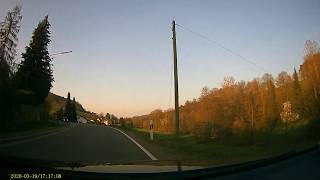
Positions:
{"x": 122, "y": 59}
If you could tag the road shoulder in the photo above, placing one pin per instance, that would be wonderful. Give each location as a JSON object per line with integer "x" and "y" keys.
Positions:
{"x": 151, "y": 156}
{"x": 162, "y": 153}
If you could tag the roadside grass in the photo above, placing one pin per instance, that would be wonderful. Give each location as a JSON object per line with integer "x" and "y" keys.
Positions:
{"x": 7, "y": 128}
{"x": 230, "y": 149}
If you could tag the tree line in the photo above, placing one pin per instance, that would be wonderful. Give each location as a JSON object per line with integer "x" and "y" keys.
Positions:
{"x": 262, "y": 104}
{"x": 26, "y": 83}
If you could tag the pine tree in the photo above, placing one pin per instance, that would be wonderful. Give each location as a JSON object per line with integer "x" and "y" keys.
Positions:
{"x": 74, "y": 110}
{"x": 68, "y": 109}
{"x": 34, "y": 73}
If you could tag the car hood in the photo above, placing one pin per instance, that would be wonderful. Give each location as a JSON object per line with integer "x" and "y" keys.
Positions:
{"x": 134, "y": 167}
{"x": 150, "y": 166}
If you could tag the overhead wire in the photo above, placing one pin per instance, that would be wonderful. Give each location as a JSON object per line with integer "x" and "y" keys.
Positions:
{"x": 217, "y": 44}
{"x": 222, "y": 46}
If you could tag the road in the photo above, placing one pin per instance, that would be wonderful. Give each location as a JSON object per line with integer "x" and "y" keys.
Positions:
{"x": 86, "y": 143}
{"x": 80, "y": 143}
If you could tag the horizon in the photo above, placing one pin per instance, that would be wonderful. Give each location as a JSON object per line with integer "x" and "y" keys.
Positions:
{"x": 127, "y": 60}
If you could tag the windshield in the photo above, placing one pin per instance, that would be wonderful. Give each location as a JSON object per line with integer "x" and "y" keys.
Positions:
{"x": 114, "y": 86}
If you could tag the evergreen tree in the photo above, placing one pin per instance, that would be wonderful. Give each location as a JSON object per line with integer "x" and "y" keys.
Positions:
{"x": 34, "y": 73}
{"x": 297, "y": 99}
{"x": 74, "y": 111}
{"x": 68, "y": 109}
{"x": 272, "y": 105}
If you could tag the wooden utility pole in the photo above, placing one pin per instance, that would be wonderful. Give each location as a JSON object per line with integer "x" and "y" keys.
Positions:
{"x": 176, "y": 92}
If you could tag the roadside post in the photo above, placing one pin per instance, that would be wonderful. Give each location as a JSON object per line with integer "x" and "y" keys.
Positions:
{"x": 151, "y": 130}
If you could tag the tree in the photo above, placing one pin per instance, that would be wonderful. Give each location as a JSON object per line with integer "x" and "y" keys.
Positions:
{"x": 310, "y": 80}
{"x": 101, "y": 115}
{"x": 204, "y": 92}
{"x": 270, "y": 110}
{"x": 74, "y": 111}
{"x": 34, "y": 74}
{"x": 108, "y": 116}
{"x": 228, "y": 81}
{"x": 245, "y": 108}
{"x": 9, "y": 29}
{"x": 288, "y": 115}
{"x": 253, "y": 104}
{"x": 297, "y": 101}
{"x": 68, "y": 109}
{"x": 60, "y": 114}
{"x": 283, "y": 82}
{"x": 311, "y": 48}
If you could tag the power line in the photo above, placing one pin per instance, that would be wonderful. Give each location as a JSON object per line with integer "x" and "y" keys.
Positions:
{"x": 222, "y": 46}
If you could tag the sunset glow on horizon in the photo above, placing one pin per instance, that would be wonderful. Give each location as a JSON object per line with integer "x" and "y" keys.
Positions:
{"x": 124, "y": 64}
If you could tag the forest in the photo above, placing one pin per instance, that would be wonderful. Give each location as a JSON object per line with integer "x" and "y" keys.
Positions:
{"x": 265, "y": 104}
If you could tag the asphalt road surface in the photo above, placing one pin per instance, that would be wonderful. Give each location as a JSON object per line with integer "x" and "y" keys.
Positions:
{"x": 80, "y": 143}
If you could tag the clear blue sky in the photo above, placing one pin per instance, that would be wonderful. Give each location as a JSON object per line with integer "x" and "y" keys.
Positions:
{"x": 122, "y": 49}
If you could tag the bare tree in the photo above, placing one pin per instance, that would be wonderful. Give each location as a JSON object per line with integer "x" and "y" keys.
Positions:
{"x": 9, "y": 29}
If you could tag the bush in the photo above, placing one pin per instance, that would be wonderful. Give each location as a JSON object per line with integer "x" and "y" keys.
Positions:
{"x": 312, "y": 129}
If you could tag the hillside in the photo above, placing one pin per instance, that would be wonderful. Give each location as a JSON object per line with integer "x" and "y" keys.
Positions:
{"x": 57, "y": 102}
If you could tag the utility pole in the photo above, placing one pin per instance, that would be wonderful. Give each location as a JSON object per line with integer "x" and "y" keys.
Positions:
{"x": 176, "y": 92}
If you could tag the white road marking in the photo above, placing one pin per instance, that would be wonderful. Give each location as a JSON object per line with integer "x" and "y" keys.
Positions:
{"x": 152, "y": 157}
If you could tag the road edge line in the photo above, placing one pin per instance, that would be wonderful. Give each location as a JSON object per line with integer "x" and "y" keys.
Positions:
{"x": 151, "y": 156}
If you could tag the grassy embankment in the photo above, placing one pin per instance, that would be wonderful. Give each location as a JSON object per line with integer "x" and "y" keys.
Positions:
{"x": 229, "y": 149}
